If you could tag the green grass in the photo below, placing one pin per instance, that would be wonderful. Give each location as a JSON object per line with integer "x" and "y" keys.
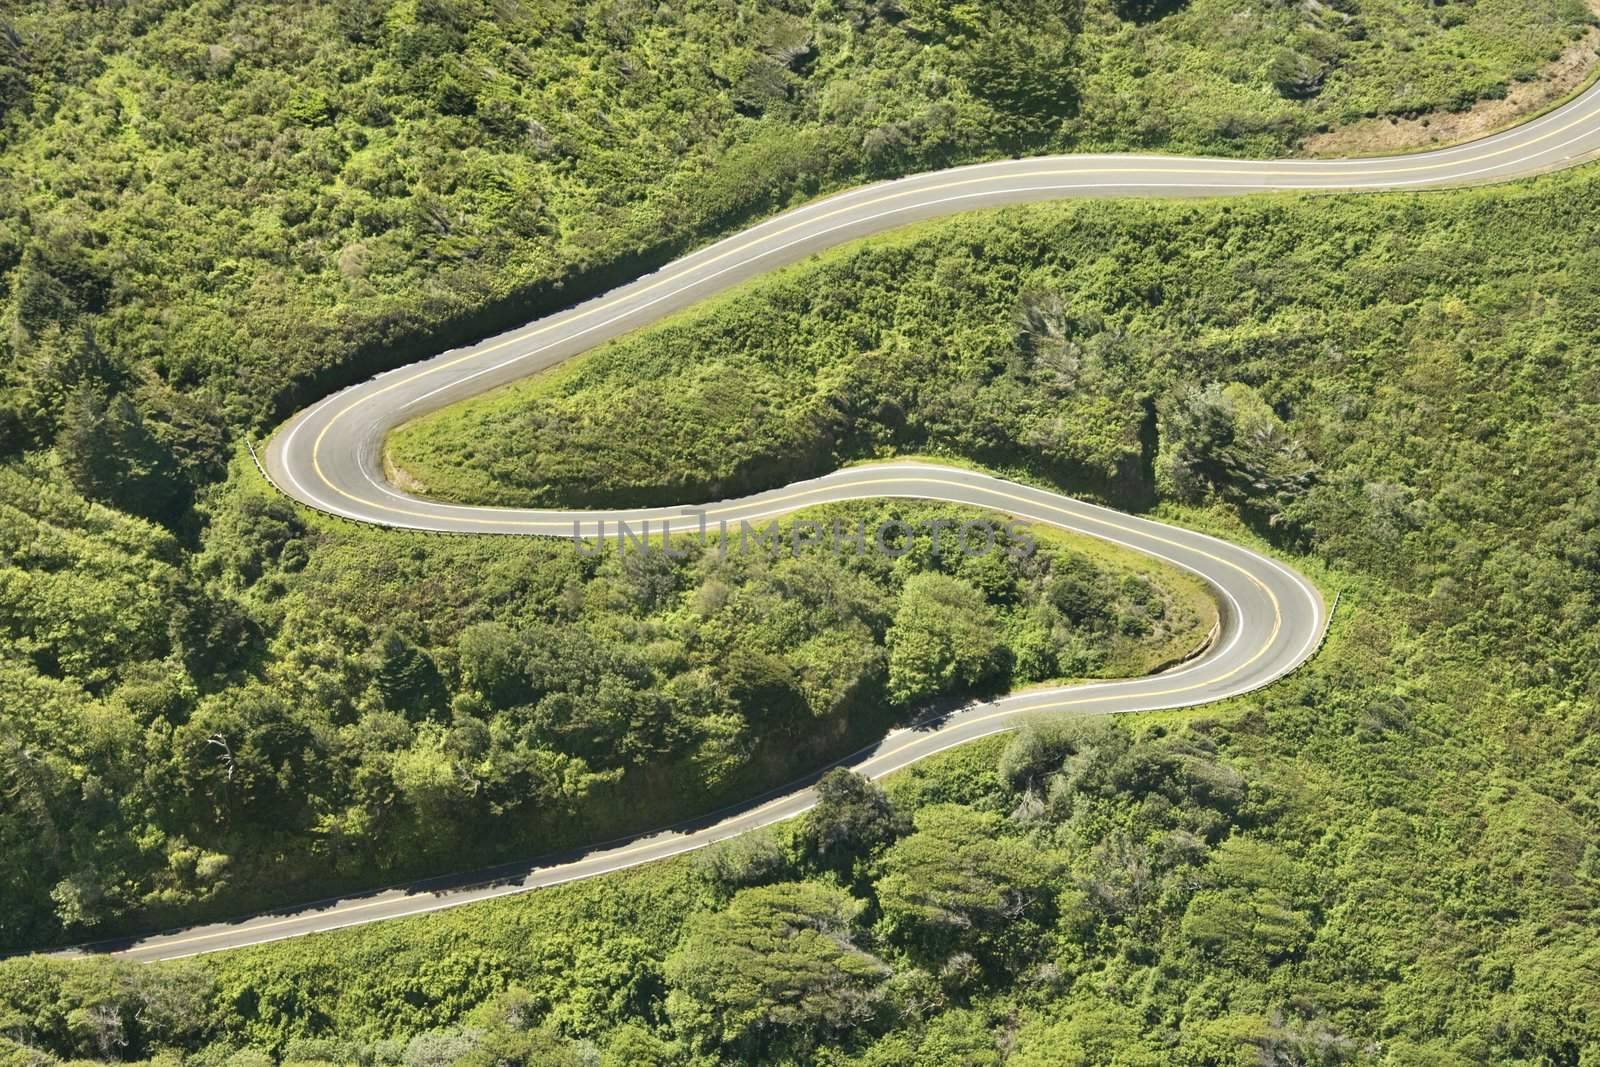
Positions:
{"x": 386, "y": 178}
{"x": 398, "y": 704}
{"x": 1396, "y": 392}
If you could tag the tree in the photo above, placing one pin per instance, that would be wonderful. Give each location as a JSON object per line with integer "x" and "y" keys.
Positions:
{"x": 1146, "y": 10}
{"x": 406, "y": 678}
{"x": 631, "y": 1045}
{"x": 109, "y": 455}
{"x": 959, "y": 884}
{"x": 1228, "y": 439}
{"x": 942, "y": 638}
{"x": 1078, "y": 591}
{"x": 248, "y": 533}
{"x": 252, "y": 754}
{"x": 1092, "y": 1031}
{"x": 173, "y": 1003}
{"x": 492, "y": 663}
{"x": 1028, "y": 75}
{"x": 13, "y": 69}
{"x": 1294, "y": 75}
{"x": 1249, "y": 920}
{"x": 853, "y": 819}
{"x": 506, "y": 1033}
{"x": 764, "y": 685}
{"x": 1245, "y": 928}
{"x": 426, "y": 776}
{"x": 778, "y": 969}
{"x": 749, "y": 859}
{"x": 52, "y": 360}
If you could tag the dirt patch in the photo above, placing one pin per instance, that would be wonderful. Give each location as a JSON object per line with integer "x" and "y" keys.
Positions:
{"x": 1388, "y": 135}
{"x": 1194, "y": 653}
{"x": 401, "y": 478}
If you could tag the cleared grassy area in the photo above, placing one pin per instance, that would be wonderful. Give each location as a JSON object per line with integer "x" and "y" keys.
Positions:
{"x": 1257, "y": 69}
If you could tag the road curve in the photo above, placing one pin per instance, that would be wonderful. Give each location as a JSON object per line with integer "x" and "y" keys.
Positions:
{"x": 1271, "y": 621}
{"x": 329, "y": 457}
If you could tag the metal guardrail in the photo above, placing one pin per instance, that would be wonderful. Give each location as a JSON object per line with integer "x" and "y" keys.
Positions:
{"x": 256, "y": 459}
{"x": 1327, "y": 626}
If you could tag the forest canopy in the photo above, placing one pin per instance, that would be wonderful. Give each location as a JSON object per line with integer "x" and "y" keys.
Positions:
{"x": 213, "y": 700}
{"x": 213, "y": 214}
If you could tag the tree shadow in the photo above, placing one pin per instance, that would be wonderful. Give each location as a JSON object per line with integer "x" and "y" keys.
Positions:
{"x": 1147, "y": 11}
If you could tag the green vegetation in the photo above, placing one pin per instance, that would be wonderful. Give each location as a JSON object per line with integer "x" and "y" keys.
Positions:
{"x": 1388, "y": 858}
{"x": 948, "y": 903}
{"x": 211, "y": 214}
{"x": 302, "y": 703}
{"x": 1396, "y": 859}
{"x": 1236, "y": 352}
{"x": 1081, "y": 892}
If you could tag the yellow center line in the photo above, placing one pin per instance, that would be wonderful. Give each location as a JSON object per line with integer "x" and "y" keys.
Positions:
{"x": 1054, "y": 172}
{"x": 789, "y": 498}
{"x": 612, "y": 856}
{"x": 658, "y": 842}
{"x": 1191, "y": 170}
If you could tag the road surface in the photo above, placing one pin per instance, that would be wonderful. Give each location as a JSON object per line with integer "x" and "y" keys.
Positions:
{"x": 330, "y": 457}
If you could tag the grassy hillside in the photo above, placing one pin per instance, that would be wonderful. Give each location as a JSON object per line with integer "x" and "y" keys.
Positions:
{"x": 220, "y": 212}
{"x": 210, "y": 213}
{"x": 1387, "y": 859}
{"x": 209, "y": 698}
{"x": 1406, "y": 389}
{"x": 1263, "y": 342}
{"x": 304, "y": 704}
{"x": 1269, "y": 884}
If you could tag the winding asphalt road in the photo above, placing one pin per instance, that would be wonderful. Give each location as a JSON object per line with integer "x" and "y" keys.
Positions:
{"x": 330, "y": 458}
